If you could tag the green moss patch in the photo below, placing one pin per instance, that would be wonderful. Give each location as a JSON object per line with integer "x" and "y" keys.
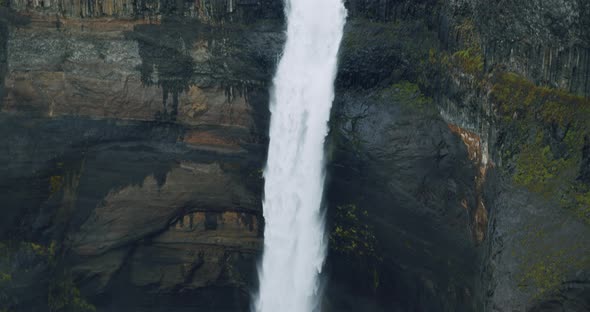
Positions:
{"x": 62, "y": 292}
{"x": 55, "y": 183}
{"x": 539, "y": 170}
{"x": 353, "y": 238}
{"x": 64, "y": 296}
{"x": 544, "y": 271}
{"x": 582, "y": 207}
{"x": 518, "y": 98}
{"x": 468, "y": 58}
{"x": 545, "y": 164}
{"x": 410, "y": 96}
{"x": 350, "y": 235}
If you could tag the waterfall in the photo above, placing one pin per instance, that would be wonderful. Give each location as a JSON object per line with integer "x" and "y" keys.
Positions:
{"x": 294, "y": 239}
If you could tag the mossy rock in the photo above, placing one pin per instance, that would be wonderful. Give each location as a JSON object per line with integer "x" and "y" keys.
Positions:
{"x": 64, "y": 296}
{"x": 354, "y": 239}
{"x": 549, "y": 165}
{"x": 410, "y": 96}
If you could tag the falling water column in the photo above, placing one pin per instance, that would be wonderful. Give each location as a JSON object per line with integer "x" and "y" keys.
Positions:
{"x": 294, "y": 239}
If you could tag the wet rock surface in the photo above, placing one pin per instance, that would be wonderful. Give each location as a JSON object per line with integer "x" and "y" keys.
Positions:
{"x": 410, "y": 173}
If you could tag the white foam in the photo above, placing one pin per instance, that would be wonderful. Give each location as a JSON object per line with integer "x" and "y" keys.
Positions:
{"x": 294, "y": 239}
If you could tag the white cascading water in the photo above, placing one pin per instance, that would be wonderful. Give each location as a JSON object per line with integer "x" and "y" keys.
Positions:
{"x": 294, "y": 239}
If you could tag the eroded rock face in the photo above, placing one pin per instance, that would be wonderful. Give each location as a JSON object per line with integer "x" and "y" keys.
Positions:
{"x": 139, "y": 71}
{"x": 411, "y": 175}
{"x": 211, "y": 11}
{"x": 213, "y": 248}
{"x": 134, "y": 138}
{"x": 523, "y": 238}
{"x": 135, "y": 211}
{"x": 500, "y": 224}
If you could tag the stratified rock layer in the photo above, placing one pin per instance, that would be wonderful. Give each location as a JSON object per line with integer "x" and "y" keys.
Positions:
{"x": 133, "y": 142}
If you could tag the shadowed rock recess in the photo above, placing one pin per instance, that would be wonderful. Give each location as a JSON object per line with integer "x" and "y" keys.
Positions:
{"x": 134, "y": 134}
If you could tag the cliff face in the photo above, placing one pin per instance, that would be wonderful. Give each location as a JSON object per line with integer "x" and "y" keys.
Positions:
{"x": 134, "y": 136}
{"x": 461, "y": 138}
{"x": 529, "y": 105}
{"x": 134, "y": 139}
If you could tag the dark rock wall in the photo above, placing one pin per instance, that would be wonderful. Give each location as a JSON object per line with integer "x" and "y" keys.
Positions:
{"x": 547, "y": 41}
{"x": 518, "y": 246}
{"x": 134, "y": 139}
{"x": 532, "y": 235}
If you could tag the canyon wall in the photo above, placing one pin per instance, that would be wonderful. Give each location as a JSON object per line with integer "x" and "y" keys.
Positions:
{"x": 135, "y": 133}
